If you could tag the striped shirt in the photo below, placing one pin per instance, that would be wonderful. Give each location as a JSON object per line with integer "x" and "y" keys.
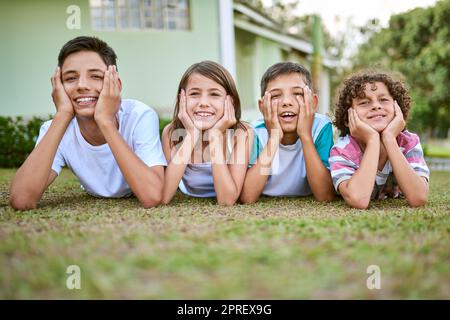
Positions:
{"x": 346, "y": 156}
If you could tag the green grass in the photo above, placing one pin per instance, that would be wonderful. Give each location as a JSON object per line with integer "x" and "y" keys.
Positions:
{"x": 193, "y": 249}
{"x": 437, "y": 152}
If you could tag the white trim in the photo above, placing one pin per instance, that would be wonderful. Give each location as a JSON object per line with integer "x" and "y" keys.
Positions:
{"x": 283, "y": 39}
{"x": 254, "y": 15}
{"x": 275, "y": 36}
{"x": 226, "y": 35}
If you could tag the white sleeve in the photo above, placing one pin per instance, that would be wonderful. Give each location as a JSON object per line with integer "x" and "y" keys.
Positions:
{"x": 58, "y": 161}
{"x": 146, "y": 140}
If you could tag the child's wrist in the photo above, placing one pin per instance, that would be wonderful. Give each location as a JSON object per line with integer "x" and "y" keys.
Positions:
{"x": 63, "y": 115}
{"x": 305, "y": 137}
{"x": 387, "y": 136}
{"x": 276, "y": 134}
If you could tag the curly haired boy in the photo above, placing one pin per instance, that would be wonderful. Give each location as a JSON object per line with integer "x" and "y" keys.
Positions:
{"x": 375, "y": 156}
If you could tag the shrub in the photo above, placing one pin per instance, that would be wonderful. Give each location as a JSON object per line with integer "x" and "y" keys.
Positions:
{"x": 18, "y": 137}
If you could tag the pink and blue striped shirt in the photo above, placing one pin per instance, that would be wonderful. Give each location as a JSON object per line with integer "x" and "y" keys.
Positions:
{"x": 346, "y": 156}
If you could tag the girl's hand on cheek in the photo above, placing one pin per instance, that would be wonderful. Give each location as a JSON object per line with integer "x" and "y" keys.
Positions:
{"x": 228, "y": 119}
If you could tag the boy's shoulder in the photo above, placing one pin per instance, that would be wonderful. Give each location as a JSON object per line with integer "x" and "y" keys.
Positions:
{"x": 135, "y": 107}
{"x": 407, "y": 140}
{"x": 46, "y": 124}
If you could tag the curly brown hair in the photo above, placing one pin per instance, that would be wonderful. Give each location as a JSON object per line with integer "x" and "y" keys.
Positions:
{"x": 353, "y": 87}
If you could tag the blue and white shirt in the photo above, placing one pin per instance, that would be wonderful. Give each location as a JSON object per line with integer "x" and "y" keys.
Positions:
{"x": 288, "y": 170}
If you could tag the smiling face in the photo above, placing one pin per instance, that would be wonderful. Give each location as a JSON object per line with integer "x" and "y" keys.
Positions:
{"x": 205, "y": 100}
{"x": 82, "y": 78}
{"x": 376, "y": 108}
{"x": 284, "y": 89}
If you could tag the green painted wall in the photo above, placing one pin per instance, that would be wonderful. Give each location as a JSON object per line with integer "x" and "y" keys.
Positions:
{"x": 254, "y": 54}
{"x": 150, "y": 62}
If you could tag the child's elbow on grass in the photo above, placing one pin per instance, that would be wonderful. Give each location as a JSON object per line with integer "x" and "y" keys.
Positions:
{"x": 22, "y": 202}
{"x": 418, "y": 201}
{"x": 247, "y": 199}
{"x": 229, "y": 201}
{"x": 358, "y": 202}
{"x": 151, "y": 201}
{"x": 324, "y": 197}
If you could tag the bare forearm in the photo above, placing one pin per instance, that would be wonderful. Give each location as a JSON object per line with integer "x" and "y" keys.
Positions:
{"x": 259, "y": 173}
{"x": 226, "y": 189}
{"x": 412, "y": 185}
{"x": 176, "y": 168}
{"x": 146, "y": 184}
{"x": 319, "y": 178}
{"x": 31, "y": 178}
{"x": 359, "y": 188}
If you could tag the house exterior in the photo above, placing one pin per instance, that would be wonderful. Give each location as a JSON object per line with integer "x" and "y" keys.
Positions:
{"x": 155, "y": 40}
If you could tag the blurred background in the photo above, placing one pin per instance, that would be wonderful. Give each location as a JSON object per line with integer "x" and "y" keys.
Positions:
{"x": 157, "y": 40}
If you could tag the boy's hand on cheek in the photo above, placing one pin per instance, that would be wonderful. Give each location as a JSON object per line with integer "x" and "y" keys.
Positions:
{"x": 359, "y": 129}
{"x": 109, "y": 101}
{"x": 396, "y": 126}
{"x": 270, "y": 112}
{"x": 306, "y": 113}
{"x": 60, "y": 98}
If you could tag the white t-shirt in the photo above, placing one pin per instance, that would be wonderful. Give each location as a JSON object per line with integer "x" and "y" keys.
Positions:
{"x": 288, "y": 170}
{"x": 96, "y": 166}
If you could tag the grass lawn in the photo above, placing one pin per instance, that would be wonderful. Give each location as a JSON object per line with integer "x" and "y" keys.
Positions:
{"x": 278, "y": 248}
{"x": 438, "y": 152}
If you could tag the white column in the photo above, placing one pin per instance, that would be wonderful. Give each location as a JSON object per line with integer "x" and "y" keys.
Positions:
{"x": 227, "y": 50}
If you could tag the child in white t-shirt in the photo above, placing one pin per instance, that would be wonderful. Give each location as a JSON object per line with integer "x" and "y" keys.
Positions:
{"x": 111, "y": 145}
{"x": 293, "y": 142}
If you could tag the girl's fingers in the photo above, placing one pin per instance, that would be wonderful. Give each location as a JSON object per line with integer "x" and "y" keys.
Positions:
{"x": 231, "y": 110}
{"x": 182, "y": 100}
{"x": 226, "y": 109}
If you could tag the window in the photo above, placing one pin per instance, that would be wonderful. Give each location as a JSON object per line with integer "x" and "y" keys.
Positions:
{"x": 139, "y": 14}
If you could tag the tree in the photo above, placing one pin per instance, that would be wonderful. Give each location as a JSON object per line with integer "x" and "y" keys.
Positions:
{"x": 416, "y": 44}
{"x": 285, "y": 13}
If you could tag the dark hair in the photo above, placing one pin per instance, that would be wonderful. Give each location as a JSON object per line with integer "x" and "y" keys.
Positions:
{"x": 283, "y": 68}
{"x": 84, "y": 43}
{"x": 353, "y": 87}
{"x": 218, "y": 74}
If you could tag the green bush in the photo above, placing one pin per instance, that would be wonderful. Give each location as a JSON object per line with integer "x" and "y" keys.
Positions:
{"x": 162, "y": 123}
{"x": 18, "y": 137}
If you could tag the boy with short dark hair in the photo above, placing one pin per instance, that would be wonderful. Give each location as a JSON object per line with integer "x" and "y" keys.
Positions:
{"x": 111, "y": 145}
{"x": 293, "y": 142}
